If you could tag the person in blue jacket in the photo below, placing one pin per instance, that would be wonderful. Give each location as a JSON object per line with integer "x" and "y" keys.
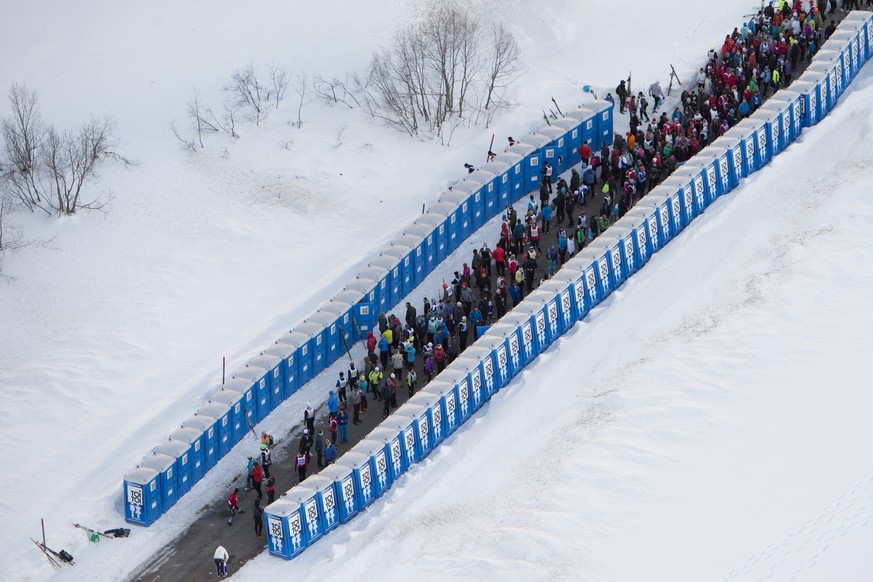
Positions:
{"x": 343, "y": 422}
{"x": 332, "y": 403}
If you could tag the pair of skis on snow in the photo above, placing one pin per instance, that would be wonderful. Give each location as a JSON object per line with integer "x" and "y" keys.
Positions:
{"x": 56, "y": 558}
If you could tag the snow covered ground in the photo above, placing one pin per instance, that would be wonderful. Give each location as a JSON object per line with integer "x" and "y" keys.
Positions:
{"x": 667, "y": 412}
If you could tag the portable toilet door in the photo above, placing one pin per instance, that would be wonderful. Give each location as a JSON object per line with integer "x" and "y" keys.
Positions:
{"x": 468, "y": 193}
{"x": 572, "y": 138}
{"x": 388, "y": 268}
{"x": 532, "y": 165}
{"x": 403, "y": 427}
{"x": 638, "y": 228}
{"x": 464, "y": 211}
{"x": 795, "y": 111}
{"x": 412, "y": 264}
{"x": 659, "y": 202}
{"x": 181, "y": 453}
{"x": 301, "y": 346}
{"x": 362, "y": 473}
{"x": 837, "y": 61}
{"x": 863, "y": 21}
{"x": 261, "y": 380}
{"x": 786, "y": 129}
{"x": 745, "y": 137}
{"x": 485, "y": 198}
{"x": 598, "y": 282}
{"x": 447, "y": 396}
{"x": 604, "y": 110}
{"x": 809, "y": 107}
{"x": 428, "y": 247}
{"x": 710, "y": 175}
{"x": 736, "y": 165}
{"x": 421, "y": 423}
{"x": 556, "y": 149}
{"x": 718, "y": 163}
{"x": 833, "y": 71}
{"x": 384, "y": 279}
{"x": 511, "y": 361}
{"x": 306, "y": 501}
{"x": 852, "y": 43}
{"x": 466, "y": 376}
{"x": 821, "y": 82}
{"x": 612, "y": 248}
{"x": 168, "y": 482}
{"x": 535, "y": 168}
{"x": 502, "y": 184}
{"x": 285, "y": 536}
{"x": 480, "y": 363}
{"x": 440, "y": 232}
{"x": 220, "y": 414}
{"x": 345, "y": 327}
{"x": 537, "y": 322}
{"x": 275, "y": 366}
{"x": 682, "y": 185}
{"x": 287, "y": 368}
{"x": 142, "y": 496}
{"x": 391, "y": 441}
{"x": 344, "y": 488}
{"x": 588, "y": 129}
{"x": 379, "y": 466}
{"x": 496, "y": 344}
{"x": 453, "y": 214}
{"x": 760, "y": 130}
{"x": 773, "y": 122}
{"x": 525, "y": 325}
{"x": 544, "y": 306}
{"x": 515, "y": 161}
{"x": 325, "y": 497}
{"x": 194, "y": 439}
{"x": 208, "y": 429}
{"x": 434, "y": 413}
{"x": 560, "y": 306}
{"x": 236, "y": 402}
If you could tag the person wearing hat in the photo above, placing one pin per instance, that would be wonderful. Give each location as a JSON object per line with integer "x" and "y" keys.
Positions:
{"x": 251, "y": 464}
{"x": 266, "y": 461}
{"x": 305, "y": 442}
{"x": 257, "y": 478}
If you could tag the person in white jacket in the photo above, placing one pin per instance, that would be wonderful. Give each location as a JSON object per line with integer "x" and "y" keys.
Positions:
{"x": 221, "y": 558}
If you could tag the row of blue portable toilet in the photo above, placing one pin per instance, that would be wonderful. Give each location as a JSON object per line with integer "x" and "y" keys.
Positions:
{"x": 338, "y": 493}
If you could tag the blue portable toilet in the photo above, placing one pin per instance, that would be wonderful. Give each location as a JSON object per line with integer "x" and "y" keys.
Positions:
{"x": 558, "y": 294}
{"x": 464, "y": 211}
{"x": 543, "y": 305}
{"x": 772, "y": 121}
{"x": 249, "y": 412}
{"x": 454, "y": 217}
{"x": 362, "y": 474}
{"x": 683, "y": 189}
{"x": 572, "y": 139}
{"x": 603, "y": 109}
{"x": 795, "y": 112}
{"x": 512, "y": 353}
{"x": 261, "y": 379}
{"x": 428, "y": 246}
{"x": 556, "y": 150}
{"x": 275, "y": 366}
{"x": 809, "y": 102}
{"x": 848, "y": 42}
{"x": 434, "y": 413}
{"x": 142, "y": 496}
{"x": 345, "y": 328}
{"x": 611, "y": 247}
{"x": 236, "y": 402}
{"x": 468, "y": 195}
{"x": 736, "y": 165}
{"x": 840, "y": 60}
{"x": 335, "y": 347}
{"x": 821, "y": 82}
{"x": 393, "y": 277}
{"x": 380, "y": 470}
{"x": 525, "y": 324}
{"x": 741, "y": 137}
{"x": 458, "y": 376}
{"x": 502, "y": 373}
{"x": 421, "y": 422}
{"x": 168, "y": 482}
{"x": 659, "y": 202}
{"x": 784, "y": 110}
{"x": 286, "y": 537}
{"x": 404, "y": 428}
{"x": 862, "y": 22}
{"x": 598, "y": 281}
{"x": 181, "y": 453}
{"x": 447, "y": 397}
{"x": 207, "y": 427}
{"x": 716, "y": 160}
{"x": 639, "y": 229}
{"x": 833, "y": 70}
{"x": 318, "y": 341}
{"x": 438, "y": 224}
{"x": 515, "y": 163}
{"x": 325, "y": 496}
{"x": 194, "y": 439}
{"x": 408, "y": 249}
{"x": 385, "y": 287}
{"x": 760, "y": 131}
{"x": 708, "y": 165}
{"x": 575, "y": 278}
{"x": 532, "y": 164}
{"x": 219, "y": 414}
{"x": 485, "y": 199}
{"x": 287, "y": 365}
{"x": 588, "y": 128}
{"x": 537, "y": 314}
{"x": 391, "y": 441}
{"x": 534, "y": 171}
{"x": 478, "y": 361}
{"x": 301, "y": 345}
{"x": 345, "y": 489}
{"x": 654, "y": 236}
{"x": 502, "y": 185}
{"x": 306, "y": 501}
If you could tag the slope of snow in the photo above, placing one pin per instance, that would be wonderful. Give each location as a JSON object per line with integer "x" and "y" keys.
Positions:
{"x": 113, "y": 329}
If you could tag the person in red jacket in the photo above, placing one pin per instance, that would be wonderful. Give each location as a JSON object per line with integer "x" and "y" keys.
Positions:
{"x": 257, "y": 478}
{"x": 233, "y": 504}
{"x": 499, "y": 255}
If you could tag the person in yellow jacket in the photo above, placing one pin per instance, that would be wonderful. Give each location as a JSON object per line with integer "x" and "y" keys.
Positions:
{"x": 375, "y": 382}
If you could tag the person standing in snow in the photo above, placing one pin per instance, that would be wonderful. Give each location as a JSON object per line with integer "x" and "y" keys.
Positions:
{"x": 657, "y": 94}
{"x": 332, "y": 405}
{"x": 221, "y": 557}
{"x": 621, "y": 91}
{"x": 271, "y": 490}
{"x": 249, "y": 473}
{"x": 343, "y": 422}
{"x": 305, "y": 442}
{"x": 257, "y": 478}
{"x": 341, "y": 384}
{"x": 319, "y": 448}
{"x": 330, "y": 453}
{"x": 333, "y": 428}
{"x": 233, "y": 504}
{"x": 258, "y": 516}
{"x": 266, "y": 460}
{"x": 301, "y": 463}
{"x": 309, "y": 417}
{"x": 356, "y": 405}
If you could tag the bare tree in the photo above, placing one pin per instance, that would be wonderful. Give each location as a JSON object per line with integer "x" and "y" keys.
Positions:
{"x": 301, "y": 84}
{"x": 10, "y": 238}
{"x": 23, "y": 135}
{"x": 336, "y": 91}
{"x": 279, "y": 80}
{"x": 187, "y": 142}
{"x": 199, "y": 118}
{"x": 249, "y": 93}
{"x": 503, "y": 65}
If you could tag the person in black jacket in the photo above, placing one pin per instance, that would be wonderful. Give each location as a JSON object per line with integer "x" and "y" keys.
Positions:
{"x": 258, "y": 516}
{"x": 621, "y": 91}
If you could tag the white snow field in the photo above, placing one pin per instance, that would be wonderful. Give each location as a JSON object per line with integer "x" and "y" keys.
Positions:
{"x": 704, "y": 437}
